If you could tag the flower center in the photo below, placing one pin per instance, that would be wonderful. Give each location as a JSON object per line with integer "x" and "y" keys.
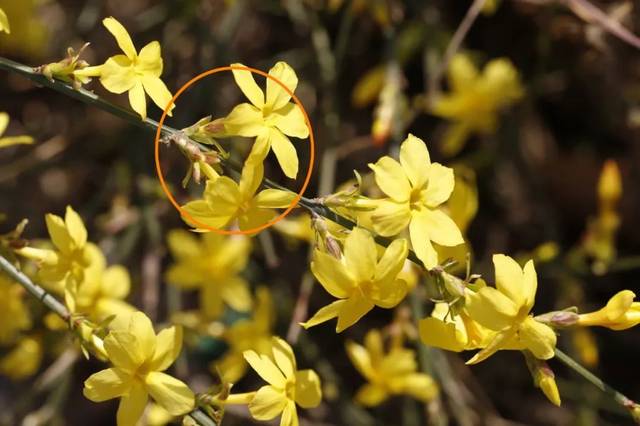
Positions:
{"x": 415, "y": 199}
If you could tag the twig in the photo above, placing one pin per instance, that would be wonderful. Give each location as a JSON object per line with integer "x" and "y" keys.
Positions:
{"x": 454, "y": 44}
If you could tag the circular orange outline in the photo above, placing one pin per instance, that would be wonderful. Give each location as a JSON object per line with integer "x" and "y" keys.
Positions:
{"x": 159, "y": 168}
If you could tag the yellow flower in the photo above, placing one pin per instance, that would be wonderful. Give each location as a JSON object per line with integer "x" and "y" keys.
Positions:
{"x": 269, "y": 118}
{"x": 4, "y": 22}
{"x": 476, "y": 99}
{"x": 506, "y": 309}
{"x": 139, "y": 357}
{"x": 14, "y": 315}
{"x": 247, "y": 334}
{"x": 23, "y": 360}
{"x": 359, "y": 280}
{"x": 287, "y": 386}
{"x": 453, "y": 332}
{"x": 132, "y": 72}
{"x": 66, "y": 68}
{"x": 416, "y": 188}
{"x": 29, "y": 33}
{"x": 620, "y": 313}
{"x": 392, "y": 373}
{"x": 102, "y": 292}
{"x": 225, "y": 201}
{"x": 72, "y": 252}
{"x": 11, "y": 140}
{"x": 211, "y": 264}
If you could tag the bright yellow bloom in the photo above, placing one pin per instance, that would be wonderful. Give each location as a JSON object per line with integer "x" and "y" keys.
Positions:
{"x": 359, "y": 280}
{"x": 620, "y": 313}
{"x": 416, "y": 188}
{"x": 139, "y": 357}
{"x": 132, "y": 72}
{"x": 476, "y": 99}
{"x": 23, "y": 360}
{"x": 453, "y": 332}
{"x": 506, "y": 310}
{"x": 225, "y": 201}
{"x": 11, "y": 140}
{"x": 14, "y": 315}
{"x": 248, "y": 334}
{"x": 102, "y": 292}
{"x": 269, "y": 118}
{"x": 287, "y": 386}
{"x": 392, "y": 373}
{"x": 211, "y": 264}
{"x": 72, "y": 252}
{"x": 4, "y": 22}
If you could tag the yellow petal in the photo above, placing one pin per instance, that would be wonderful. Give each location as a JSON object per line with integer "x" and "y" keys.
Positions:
{"x": 246, "y": 83}
{"x": 168, "y": 347}
{"x": 138, "y": 100}
{"x": 419, "y": 235}
{"x": 325, "y": 314}
{"x": 285, "y": 153}
{"x": 141, "y": 326}
{"x": 4, "y": 117}
{"x": 277, "y": 97}
{"x": 117, "y": 74}
{"x": 332, "y": 274}
{"x": 360, "y": 255}
{"x": 392, "y": 261}
{"x": 390, "y": 218}
{"x": 420, "y": 386}
{"x": 149, "y": 61}
{"x": 235, "y": 292}
{"x": 371, "y": 394}
{"x": 15, "y": 140}
{"x": 289, "y": 415}
{"x": 132, "y": 405}
{"x": 77, "y": 231}
{"x": 211, "y": 301}
{"x": 539, "y": 338}
{"x": 223, "y": 196}
{"x": 265, "y": 368}
{"x": 391, "y": 293}
{"x": 183, "y": 244}
{"x": 351, "y": 311}
{"x": 415, "y": 160}
{"x": 244, "y": 120}
{"x": 250, "y": 179}
{"x": 509, "y": 278}
{"x": 107, "y": 384}
{"x": 124, "y": 350}
{"x": 169, "y": 392}
{"x": 499, "y": 341}
{"x": 308, "y": 390}
{"x": 529, "y": 284}
{"x": 267, "y": 403}
{"x": 255, "y": 217}
{"x": 274, "y": 198}
{"x": 454, "y": 138}
{"x": 58, "y": 233}
{"x": 441, "y": 228}
{"x": 115, "y": 282}
{"x": 462, "y": 73}
{"x": 201, "y": 211}
{"x": 284, "y": 357}
{"x": 440, "y": 186}
{"x": 440, "y": 334}
{"x": 291, "y": 121}
{"x": 491, "y": 308}
{"x": 391, "y": 179}
{"x": 158, "y": 92}
{"x": 619, "y": 304}
{"x": 361, "y": 359}
{"x": 4, "y": 25}
{"x": 121, "y": 35}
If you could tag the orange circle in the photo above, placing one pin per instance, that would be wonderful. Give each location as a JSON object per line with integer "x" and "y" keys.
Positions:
{"x": 183, "y": 212}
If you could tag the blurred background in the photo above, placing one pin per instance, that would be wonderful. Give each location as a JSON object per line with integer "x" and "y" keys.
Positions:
{"x": 370, "y": 72}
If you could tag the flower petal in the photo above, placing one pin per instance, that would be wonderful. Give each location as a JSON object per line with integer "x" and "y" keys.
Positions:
{"x": 235, "y": 292}
{"x": 420, "y": 386}
{"x": 75, "y": 226}
{"x": 539, "y": 338}
{"x": 440, "y": 334}
{"x": 183, "y": 244}
{"x": 284, "y": 357}
{"x": 390, "y": 218}
{"x": 123, "y": 349}
{"x": 291, "y": 121}
{"x": 106, "y": 384}
{"x": 390, "y": 294}
{"x": 117, "y": 74}
{"x": 371, "y": 395}
{"x": 264, "y": 366}
{"x": 360, "y": 255}
{"x": 58, "y": 233}
{"x": 361, "y": 359}
{"x": 121, "y": 35}
{"x": 172, "y": 394}
{"x": 158, "y": 92}
{"x": 491, "y": 308}
{"x": 509, "y": 278}
{"x": 441, "y": 228}
{"x": 324, "y": 314}
{"x": 415, "y": 160}
{"x": 391, "y": 262}
{"x": 499, "y": 341}
{"x": 168, "y": 347}
{"x": 138, "y": 100}
{"x": 308, "y": 390}
{"x": 440, "y": 185}
{"x": 420, "y": 241}
{"x": 244, "y": 120}
{"x": 351, "y": 311}
{"x": 250, "y": 179}
{"x": 132, "y": 406}
{"x": 391, "y": 179}
{"x": 277, "y": 96}
{"x": 274, "y": 199}
{"x": 267, "y": 403}
{"x": 246, "y": 83}
{"x": 289, "y": 415}
{"x": 116, "y": 282}
{"x": 332, "y": 274}
{"x": 149, "y": 61}
{"x": 285, "y": 153}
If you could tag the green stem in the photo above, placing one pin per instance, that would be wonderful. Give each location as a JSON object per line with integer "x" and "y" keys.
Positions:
{"x": 619, "y": 397}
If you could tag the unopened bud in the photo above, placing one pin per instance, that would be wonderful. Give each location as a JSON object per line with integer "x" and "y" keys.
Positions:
{"x": 215, "y": 127}
{"x": 543, "y": 377}
{"x": 453, "y": 285}
{"x": 559, "y": 319}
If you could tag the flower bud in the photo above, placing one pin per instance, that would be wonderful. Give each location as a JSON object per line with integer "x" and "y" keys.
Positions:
{"x": 559, "y": 319}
